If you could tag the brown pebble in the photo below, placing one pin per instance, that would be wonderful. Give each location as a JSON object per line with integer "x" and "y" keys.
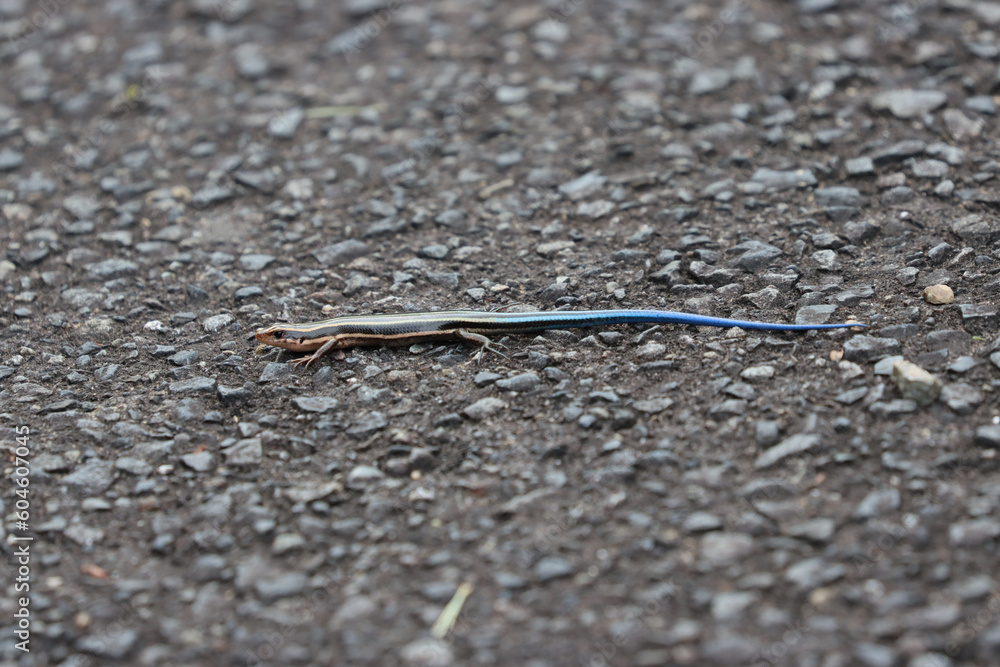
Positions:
{"x": 938, "y": 294}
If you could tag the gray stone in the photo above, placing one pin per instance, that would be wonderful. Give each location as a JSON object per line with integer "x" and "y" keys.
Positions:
{"x": 953, "y": 155}
{"x": 202, "y": 461}
{"x": 208, "y": 567}
{"x": 133, "y": 466}
{"x": 261, "y": 180}
{"x": 758, "y": 373}
{"x": 509, "y": 95}
{"x": 766, "y": 433}
{"x": 299, "y": 189}
{"x": 811, "y": 573}
{"x": 952, "y": 339}
{"x": 826, "y": 260}
{"x": 509, "y": 580}
{"x": 287, "y": 542}
{"x": 974, "y": 533}
{"x": 988, "y": 436}
{"x": 852, "y": 296}
{"x": 484, "y": 378}
{"x": 92, "y": 477}
{"x": 448, "y": 279}
{"x": 249, "y": 451}
{"x": 818, "y": 530}
{"x": 595, "y": 210}
{"x": 960, "y": 126}
{"x": 877, "y": 503}
{"x": 983, "y": 104}
{"x": 933, "y": 617}
{"x": 963, "y": 364}
{"x": 701, "y": 522}
{"x": 553, "y": 567}
{"x": 756, "y": 255}
{"x": 363, "y": 475}
{"x": 861, "y": 349}
{"x": 282, "y": 586}
{"x": 961, "y": 397}
{"x": 484, "y": 408}
{"x": 183, "y": 358}
{"x": 452, "y": 218}
{"x": 730, "y": 648}
{"x": 784, "y": 180}
{"x": 509, "y": 159}
{"x": 710, "y": 81}
{"x": 729, "y": 408}
{"x": 83, "y": 535}
{"x": 428, "y": 652}
{"x": 860, "y": 231}
{"x": 732, "y": 605}
{"x": 584, "y": 186}
{"x": 653, "y": 406}
{"x": 434, "y": 251}
{"x": 367, "y": 424}
{"x": 212, "y": 194}
{"x": 766, "y": 298}
{"x": 112, "y": 268}
{"x": 10, "y": 159}
{"x": 860, "y": 166}
{"x": 980, "y": 317}
{"x": 144, "y": 53}
{"x": 248, "y": 292}
{"x": 915, "y": 383}
{"x": 106, "y": 373}
{"x": 907, "y": 103}
{"x": 318, "y": 404}
{"x": 740, "y": 390}
{"x": 839, "y": 196}
{"x": 884, "y": 366}
{"x": 816, "y": 6}
{"x": 250, "y": 61}
{"x": 933, "y": 169}
{"x": 893, "y": 408}
{"x": 284, "y": 125}
{"x": 234, "y": 395}
{"x": 898, "y": 195}
{"x": 390, "y": 225}
{"x": 217, "y": 323}
{"x": 938, "y": 254}
{"x": 977, "y": 227}
{"x": 307, "y": 492}
{"x": 874, "y": 655}
{"x": 726, "y": 548}
{"x": 898, "y": 152}
{"x": 521, "y": 382}
{"x": 255, "y": 261}
{"x": 107, "y": 644}
{"x": 341, "y": 253}
{"x": 195, "y": 385}
{"x": 796, "y": 444}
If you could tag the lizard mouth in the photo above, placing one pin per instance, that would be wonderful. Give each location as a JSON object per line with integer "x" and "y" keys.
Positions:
{"x": 279, "y": 338}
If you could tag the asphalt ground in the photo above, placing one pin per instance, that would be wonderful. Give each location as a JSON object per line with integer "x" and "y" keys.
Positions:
{"x": 174, "y": 175}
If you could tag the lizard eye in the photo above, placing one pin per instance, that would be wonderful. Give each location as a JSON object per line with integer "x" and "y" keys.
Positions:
{"x": 278, "y": 333}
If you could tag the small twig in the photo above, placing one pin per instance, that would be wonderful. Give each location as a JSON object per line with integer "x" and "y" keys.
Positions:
{"x": 446, "y": 621}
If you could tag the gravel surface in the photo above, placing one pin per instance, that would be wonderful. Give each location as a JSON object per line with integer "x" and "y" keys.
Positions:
{"x": 175, "y": 174}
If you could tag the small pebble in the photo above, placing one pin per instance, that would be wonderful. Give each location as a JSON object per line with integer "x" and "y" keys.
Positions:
{"x": 938, "y": 294}
{"x": 915, "y": 383}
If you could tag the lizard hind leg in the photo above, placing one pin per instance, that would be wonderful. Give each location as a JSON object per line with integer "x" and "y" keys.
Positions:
{"x": 318, "y": 354}
{"x": 483, "y": 342}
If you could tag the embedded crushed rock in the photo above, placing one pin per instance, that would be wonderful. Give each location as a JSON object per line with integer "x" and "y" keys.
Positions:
{"x": 174, "y": 175}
